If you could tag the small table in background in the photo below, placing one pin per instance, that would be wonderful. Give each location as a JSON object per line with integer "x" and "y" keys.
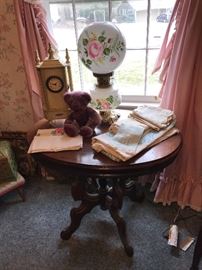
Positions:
{"x": 102, "y": 181}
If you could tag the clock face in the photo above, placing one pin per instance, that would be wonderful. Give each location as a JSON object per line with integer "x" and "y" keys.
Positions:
{"x": 54, "y": 84}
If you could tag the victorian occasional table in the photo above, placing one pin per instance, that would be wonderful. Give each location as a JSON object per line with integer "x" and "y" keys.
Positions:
{"x": 102, "y": 181}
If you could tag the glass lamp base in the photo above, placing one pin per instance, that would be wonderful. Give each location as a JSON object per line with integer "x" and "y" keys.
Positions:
{"x": 105, "y": 99}
{"x": 109, "y": 117}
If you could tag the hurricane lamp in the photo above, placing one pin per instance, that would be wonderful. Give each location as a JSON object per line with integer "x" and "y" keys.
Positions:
{"x": 102, "y": 48}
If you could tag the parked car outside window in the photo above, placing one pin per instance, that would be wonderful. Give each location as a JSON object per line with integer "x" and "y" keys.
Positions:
{"x": 163, "y": 17}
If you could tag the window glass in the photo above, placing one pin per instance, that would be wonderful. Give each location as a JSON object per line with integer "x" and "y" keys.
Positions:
{"x": 63, "y": 25}
{"x": 142, "y": 22}
{"x": 130, "y": 75}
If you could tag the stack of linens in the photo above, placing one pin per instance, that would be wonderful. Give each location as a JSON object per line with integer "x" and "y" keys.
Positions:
{"x": 144, "y": 127}
{"x": 154, "y": 117}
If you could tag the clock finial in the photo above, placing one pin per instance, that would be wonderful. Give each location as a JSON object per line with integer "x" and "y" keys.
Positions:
{"x": 69, "y": 70}
{"x": 50, "y": 52}
{"x": 67, "y": 56}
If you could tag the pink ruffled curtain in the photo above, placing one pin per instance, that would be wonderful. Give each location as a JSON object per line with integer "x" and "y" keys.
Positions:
{"x": 33, "y": 35}
{"x": 180, "y": 60}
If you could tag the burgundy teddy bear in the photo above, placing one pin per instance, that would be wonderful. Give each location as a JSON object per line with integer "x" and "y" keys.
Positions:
{"x": 82, "y": 119}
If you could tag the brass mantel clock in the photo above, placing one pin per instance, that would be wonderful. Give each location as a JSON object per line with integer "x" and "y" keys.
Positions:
{"x": 56, "y": 79}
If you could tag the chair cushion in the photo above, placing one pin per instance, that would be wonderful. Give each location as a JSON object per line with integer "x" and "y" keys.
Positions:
{"x": 8, "y": 165}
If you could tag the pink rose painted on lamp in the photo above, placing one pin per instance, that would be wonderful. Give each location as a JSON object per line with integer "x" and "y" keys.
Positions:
{"x": 95, "y": 49}
{"x": 101, "y": 47}
{"x": 105, "y": 104}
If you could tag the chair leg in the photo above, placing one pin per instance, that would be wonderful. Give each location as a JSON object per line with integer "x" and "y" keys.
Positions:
{"x": 21, "y": 192}
{"x": 197, "y": 252}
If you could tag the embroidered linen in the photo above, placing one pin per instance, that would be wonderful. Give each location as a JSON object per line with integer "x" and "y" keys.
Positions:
{"x": 127, "y": 138}
{"x": 154, "y": 117}
{"x": 54, "y": 140}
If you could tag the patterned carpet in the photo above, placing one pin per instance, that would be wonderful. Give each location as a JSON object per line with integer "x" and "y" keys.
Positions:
{"x": 30, "y": 233}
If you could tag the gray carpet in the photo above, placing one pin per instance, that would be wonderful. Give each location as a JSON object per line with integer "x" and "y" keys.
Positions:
{"x": 30, "y": 233}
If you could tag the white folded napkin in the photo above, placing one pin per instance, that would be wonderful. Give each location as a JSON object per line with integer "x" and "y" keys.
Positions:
{"x": 154, "y": 117}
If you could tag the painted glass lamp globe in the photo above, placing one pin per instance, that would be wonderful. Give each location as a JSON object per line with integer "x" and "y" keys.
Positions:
{"x": 102, "y": 48}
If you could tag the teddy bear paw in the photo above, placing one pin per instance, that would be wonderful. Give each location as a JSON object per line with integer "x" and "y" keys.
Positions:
{"x": 86, "y": 132}
{"x": 71, "y": 130}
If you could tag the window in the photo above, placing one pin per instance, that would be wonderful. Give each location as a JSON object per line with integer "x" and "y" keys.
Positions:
{"x": 142, "y": 22}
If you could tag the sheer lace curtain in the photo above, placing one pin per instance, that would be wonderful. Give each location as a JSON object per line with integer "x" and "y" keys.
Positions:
{"x": 33, "y": 35}
{"x": 180, "y": 65}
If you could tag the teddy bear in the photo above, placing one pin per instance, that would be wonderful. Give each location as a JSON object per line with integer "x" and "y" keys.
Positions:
{"x": 82, "y": 119}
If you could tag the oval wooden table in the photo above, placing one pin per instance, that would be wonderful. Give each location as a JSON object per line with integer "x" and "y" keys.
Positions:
{"x": 102, "y": 181}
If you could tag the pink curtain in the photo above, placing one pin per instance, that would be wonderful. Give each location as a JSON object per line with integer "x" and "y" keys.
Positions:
{"x": 180, "y": 60}
{"x": 34, "y": 35}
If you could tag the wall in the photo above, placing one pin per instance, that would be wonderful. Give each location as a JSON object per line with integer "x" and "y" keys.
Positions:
{"x": 15, "y": 108}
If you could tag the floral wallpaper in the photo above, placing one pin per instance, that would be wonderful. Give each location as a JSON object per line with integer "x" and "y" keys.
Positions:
{"x": 15, "y": 108}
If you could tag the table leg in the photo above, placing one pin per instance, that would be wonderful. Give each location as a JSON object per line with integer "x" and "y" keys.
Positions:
{"x": 121, "y": 225}
{"x": 109, "y": 196}
{"x": 114, "y": 201}
{"x": 134, "y": 190}
{"x": 76, "y": 214}
{"x": 116, "y": 205}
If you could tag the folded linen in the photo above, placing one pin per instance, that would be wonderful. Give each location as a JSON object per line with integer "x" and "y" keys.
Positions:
{"x": 154, "y": 117}
{"x": 127, "y": 131}
{"x": 123, "y": 149}
{"x": 54, "y": 140}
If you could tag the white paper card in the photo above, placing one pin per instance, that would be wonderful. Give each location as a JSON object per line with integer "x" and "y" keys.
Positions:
{"x": 186, "y": 243}
{"x": 173, "y": 236}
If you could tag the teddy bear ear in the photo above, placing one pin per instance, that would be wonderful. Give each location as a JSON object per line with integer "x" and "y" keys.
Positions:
{"x": 86, "y": 96}
{"x": 66, "y": 96}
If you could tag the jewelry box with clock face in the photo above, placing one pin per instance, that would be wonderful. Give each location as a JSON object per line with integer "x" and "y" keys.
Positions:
{"x": 55, "y": 78}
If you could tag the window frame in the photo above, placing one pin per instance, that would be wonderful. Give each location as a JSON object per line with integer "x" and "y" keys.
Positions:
{"x": 130, "y": 99}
